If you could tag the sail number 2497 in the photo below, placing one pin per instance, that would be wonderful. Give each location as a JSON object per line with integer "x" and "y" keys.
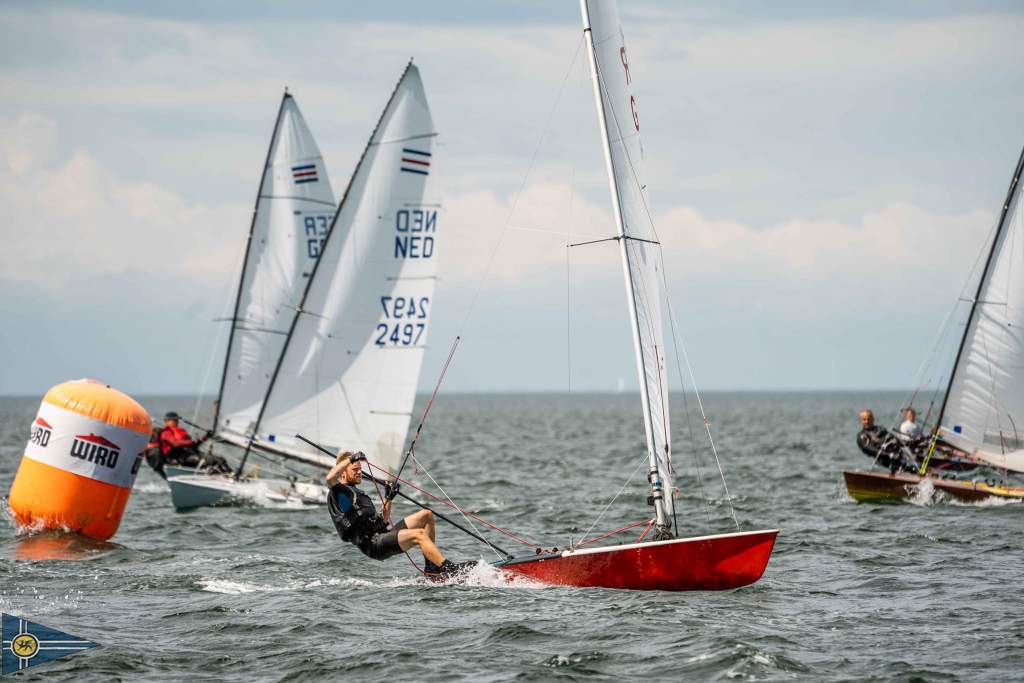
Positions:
{"x": 406, "y": 320}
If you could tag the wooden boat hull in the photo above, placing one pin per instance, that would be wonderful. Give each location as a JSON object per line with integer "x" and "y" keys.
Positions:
{"x": 718, "y": 562}
{"x": 880, "y": 486}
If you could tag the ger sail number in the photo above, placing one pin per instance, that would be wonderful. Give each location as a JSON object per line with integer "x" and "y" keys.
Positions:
{"x": 406, "y": 320}
{"x": 316, "y": 233}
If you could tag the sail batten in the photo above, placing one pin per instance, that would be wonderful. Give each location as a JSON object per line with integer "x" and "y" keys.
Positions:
{"x": 983, "y": 411}
{"x": 620, "y": 132}
{"x": 284, "y": 242}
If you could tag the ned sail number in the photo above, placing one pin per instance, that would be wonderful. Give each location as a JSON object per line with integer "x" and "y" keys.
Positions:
{"x": 406, "y": 318}
{"x": 415, "y": 230}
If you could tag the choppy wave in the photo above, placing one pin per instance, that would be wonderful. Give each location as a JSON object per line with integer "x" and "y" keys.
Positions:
{"x": 248, "y": 593}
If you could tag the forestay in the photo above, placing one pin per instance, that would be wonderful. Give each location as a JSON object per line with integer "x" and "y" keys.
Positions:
{"x": 350, "y": 369}
{"x": 984, "y": 409}
{"x": 638, "y": 240}
{"x": 294, "y": 208}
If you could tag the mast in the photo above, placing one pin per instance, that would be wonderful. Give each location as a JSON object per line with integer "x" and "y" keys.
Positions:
{"x": 981, "y": 283}
{"x": 245, "y": 259}
{"x": 653, "y": 473}
{"x": 312, "y": 277}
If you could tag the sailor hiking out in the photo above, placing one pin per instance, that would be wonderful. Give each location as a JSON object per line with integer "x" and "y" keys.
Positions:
{"x": 357, "y": 521}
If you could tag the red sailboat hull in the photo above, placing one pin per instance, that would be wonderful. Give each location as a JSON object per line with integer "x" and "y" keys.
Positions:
{"x": 685, "y": 564}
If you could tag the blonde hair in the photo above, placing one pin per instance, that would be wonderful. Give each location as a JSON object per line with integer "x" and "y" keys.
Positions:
{"x": 343, "y": 456}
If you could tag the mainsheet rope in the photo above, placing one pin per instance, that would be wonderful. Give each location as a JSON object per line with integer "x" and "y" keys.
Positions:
{"x": 452, "y": 504}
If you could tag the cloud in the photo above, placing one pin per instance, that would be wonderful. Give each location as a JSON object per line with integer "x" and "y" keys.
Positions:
{"x": 69, "y": 220}
{"x": 811, "y": 178}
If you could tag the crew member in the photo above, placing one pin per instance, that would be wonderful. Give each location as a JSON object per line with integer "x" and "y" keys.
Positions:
{"x": 909, "y": 428}
{"x": 357, "y": 521}
{"x": 878, "y": 444}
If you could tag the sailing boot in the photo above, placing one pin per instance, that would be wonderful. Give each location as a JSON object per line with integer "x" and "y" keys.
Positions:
{"x": 450, "y": 569}
{"x": 447, "y": 569}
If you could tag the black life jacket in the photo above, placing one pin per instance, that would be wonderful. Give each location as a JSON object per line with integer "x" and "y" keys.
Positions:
{"x": 354, "y": 523}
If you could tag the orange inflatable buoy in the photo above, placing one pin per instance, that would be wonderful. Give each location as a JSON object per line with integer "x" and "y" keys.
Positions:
{"x": 81, "y": 459}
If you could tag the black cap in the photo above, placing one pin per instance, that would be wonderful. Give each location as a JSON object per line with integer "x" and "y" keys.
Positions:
{"x": 171, "y": 415}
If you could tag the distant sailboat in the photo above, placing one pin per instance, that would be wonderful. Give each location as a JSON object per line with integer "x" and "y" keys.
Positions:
{"x": 348, "y": 359}
{"x": 982, "y": 413}
{"x": 666, "y": 562}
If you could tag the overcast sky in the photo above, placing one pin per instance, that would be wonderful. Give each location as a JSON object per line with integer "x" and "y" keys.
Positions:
{"x": 823, "y": 177}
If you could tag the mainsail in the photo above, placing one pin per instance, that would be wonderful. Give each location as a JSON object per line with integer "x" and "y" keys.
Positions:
{"x": 624, "y": 154}
{"x": 348, "y": 374}
{"x": 984, "y": 407}
{"x": 294, "y": 209}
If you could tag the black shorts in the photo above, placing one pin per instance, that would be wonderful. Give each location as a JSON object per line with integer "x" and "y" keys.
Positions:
{"x": 383, "y": 545}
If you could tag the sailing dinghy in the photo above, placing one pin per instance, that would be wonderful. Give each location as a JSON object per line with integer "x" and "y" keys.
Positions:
{"x": 666, "y": 562}
{"x": 291, "y": 216}
{"x": 983, "y": 407}
{"x": 347, "y": 361}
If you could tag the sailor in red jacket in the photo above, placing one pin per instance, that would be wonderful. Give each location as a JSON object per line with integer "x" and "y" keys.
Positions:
{"x": 175, "y": 443}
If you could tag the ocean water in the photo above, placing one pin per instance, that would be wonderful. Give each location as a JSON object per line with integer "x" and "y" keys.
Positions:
{"x": 927, "y": 591}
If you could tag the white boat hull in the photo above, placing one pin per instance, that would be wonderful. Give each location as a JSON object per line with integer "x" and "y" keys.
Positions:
{"x": 204, "y": 490}
{"x": 177, "y": 470}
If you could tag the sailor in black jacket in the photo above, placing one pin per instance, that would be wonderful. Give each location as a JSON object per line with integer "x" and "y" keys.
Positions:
{"x": 879, "y": 445}
{"x": 356, "y": 519}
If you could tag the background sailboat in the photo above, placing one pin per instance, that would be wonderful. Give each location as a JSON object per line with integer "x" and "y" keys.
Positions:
{"x": 982, "y": 410}
{"x": 291, "y": 216}
{"x": 350, "y": 358}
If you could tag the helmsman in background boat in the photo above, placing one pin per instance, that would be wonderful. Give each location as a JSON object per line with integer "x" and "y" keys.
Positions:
{"x": 357, "y": 521}
{"x": 878, "y": 444}
{"x": 172, "y": 445}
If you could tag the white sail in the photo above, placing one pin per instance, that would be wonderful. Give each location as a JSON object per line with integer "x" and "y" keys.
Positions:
{"x": 293, "y": 212}
{"x": 350, "y": 369}
{"x": 619, "y": 116}
{"x": 984, "y": 409}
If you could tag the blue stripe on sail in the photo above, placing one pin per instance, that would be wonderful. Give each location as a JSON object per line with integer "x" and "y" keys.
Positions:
{"x": 305, "y": 180}
{"x": 406, "y": 150}
{"x": 414, "y": 170}
{"x": 304, "y": 168}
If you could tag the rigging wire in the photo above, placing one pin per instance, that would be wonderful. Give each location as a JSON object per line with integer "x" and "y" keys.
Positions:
{"x": 629, "y": 480}
{"x": 452, "y": 502}
{"x": 216, "y": 343}
{"x": 932, "y": 357}
{"x": 677, "y": 344}
{"x": 519, "y": 192}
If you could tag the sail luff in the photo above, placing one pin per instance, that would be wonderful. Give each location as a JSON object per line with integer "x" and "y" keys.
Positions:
{"x": 654, "y": 473}
{"x": 983, "y": 404}
{"x": 349, "y": 377}
{"x": 245, "y": 259}
{"x": 313, "y": 274}
{"x": 982, "y": 281}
